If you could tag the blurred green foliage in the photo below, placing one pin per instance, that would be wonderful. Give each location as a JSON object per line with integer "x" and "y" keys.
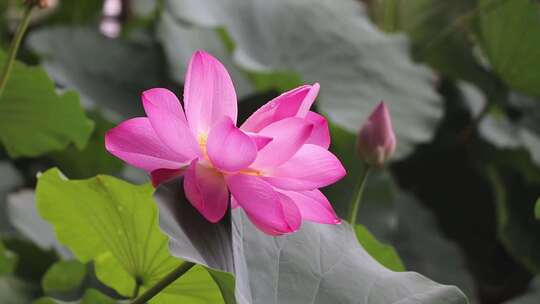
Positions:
{"x": 34, "y": 117}
{"x": 63, "y": 276}
{"x": 8, "y": 260}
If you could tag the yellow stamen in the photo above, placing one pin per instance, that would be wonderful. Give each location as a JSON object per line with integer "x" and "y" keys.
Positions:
{"x": 203, "y": 138}
{"x": 250, "y": 171}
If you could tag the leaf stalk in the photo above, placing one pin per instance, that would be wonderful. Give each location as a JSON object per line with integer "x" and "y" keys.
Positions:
{"x": 166, "y": 281}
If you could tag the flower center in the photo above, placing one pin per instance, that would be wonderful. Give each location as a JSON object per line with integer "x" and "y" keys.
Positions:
{"x": 202, "y": 139}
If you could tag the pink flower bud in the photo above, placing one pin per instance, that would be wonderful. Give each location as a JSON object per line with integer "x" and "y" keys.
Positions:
{"x": 376, "y": 139}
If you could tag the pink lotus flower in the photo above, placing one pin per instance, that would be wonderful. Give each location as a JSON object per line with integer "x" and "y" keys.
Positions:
{"x": 272, "y": 165}
{"x": 376, "y": 139}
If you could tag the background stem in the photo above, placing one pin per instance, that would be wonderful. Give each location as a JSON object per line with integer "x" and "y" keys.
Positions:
{"x": 14, "y": 47}
{"x": 358, "y": 192}
{"x": 166, "y": 281}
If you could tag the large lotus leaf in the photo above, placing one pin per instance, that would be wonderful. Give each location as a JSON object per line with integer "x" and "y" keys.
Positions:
{"x": 331, "y": 42}
{"x": 110, "y": 73}
{"x": 509, "y": 32}
{"x": 181, "y": 40}
{"x": 115, "y": 224}
{"x": 23, "y": 215}
{"x": 34, "y": 119}
{"x": 318, "y": 264}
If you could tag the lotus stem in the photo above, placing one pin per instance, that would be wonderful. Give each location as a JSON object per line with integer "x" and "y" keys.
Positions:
{"x": 358, "y": 193}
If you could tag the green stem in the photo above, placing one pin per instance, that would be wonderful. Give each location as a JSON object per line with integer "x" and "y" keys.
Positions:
{"x": 358, "y": 192}
{"x": 14, "y": 47}
{"x": 166, "y": 281}
{"x": 138, "y": 283}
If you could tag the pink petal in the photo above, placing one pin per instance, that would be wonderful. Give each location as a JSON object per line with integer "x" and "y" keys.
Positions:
{"x": 160, "y": 176}
{"x": 293, "y": 103}
{"x": 308, "y": 100}
{"x": 292, "y": 214}
{"x": 321, "y": 134}
{"x": 310, "y": 168}
{"x": 260, "y": 140}
{"x": 313, "y": 206}
{"x": 207, "y": 191}
{"x": 229, "y": 148}
{"x": 208, "y": 93}
{"x": 288, "y": 136}
{"x": 135, "y": 142}
{"x": 266, "y": 208}
{"x": 169, "y": 122}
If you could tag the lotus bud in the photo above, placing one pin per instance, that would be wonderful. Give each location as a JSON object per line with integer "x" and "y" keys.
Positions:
{"x": 376, "y": 140}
